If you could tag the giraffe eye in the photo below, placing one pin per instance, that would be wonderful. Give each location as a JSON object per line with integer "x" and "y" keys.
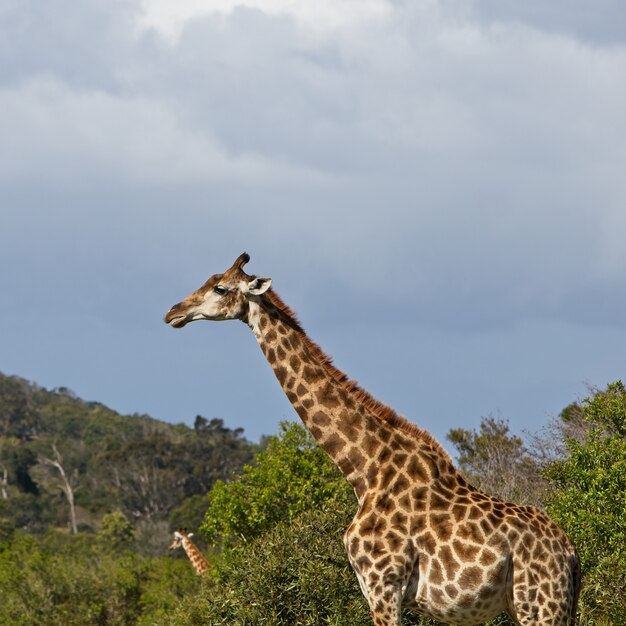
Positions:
{"x": 220, "y": 291}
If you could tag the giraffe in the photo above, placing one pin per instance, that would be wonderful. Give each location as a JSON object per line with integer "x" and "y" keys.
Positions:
{"x": 422, "y": 537}
{"x": 182, "y": 540}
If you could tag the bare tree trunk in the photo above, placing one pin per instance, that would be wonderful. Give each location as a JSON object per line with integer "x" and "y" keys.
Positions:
{"x": 65, "y": 485}
{"x": 4, "y": 484}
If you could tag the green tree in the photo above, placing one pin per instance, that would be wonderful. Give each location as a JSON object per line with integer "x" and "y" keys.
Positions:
{"x": 19, "y": 416}
{"x": 589, "y": 501}
{"x": 295, "y": 573}
{"x": 290, "y": 476}
{"x": 71, "y": 580}
{"x": 497, "y": 461}
{"x": 116, "y": 532}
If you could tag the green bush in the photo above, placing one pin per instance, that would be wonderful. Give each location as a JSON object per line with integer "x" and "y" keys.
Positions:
{"x": 73, "y": 581}
{"x": 292, "y": 475}
{"x": 589, "y": 501}
{"x": 295, "y": 574}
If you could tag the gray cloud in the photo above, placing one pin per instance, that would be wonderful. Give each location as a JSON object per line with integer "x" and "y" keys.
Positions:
{"x": 440, "y": 168}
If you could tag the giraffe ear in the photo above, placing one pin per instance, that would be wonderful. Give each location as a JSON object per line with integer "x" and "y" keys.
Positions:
{"x": 258, "y": 286}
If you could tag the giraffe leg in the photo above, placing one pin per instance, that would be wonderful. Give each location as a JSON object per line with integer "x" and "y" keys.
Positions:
{"x": 530, "y": 608}
{"x": 385, "y": 602}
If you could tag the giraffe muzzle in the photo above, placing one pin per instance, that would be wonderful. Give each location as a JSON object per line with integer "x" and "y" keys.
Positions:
{"x": 176, "y": 317}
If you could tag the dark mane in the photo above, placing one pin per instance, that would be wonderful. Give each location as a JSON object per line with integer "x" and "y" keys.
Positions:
{"x": 379, "y": 410}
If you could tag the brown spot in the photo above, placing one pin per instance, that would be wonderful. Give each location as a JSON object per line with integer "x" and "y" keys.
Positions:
{"x": 399, "y": 519}
{"x": 280, "y": 352}
{"x": 375, "y": 526}
{"x": 428, "y": 543}
{"x": 385, "y": 434}
{"x": 438, "y": 503}
{"x": 470, "y": 532}
{"x": 312, "y": 374}
{"x": 384, "y": 455}
{"x": 384, "y": 504}
{"x": 301, "y": 390}
{"x": 372, "y": 474}
{"x": 307, "y": 403}
{"x": 436, "y": 595}
{"x": 471, "y": 577}
{"x": 539, "y": 553}
{"x": 418, "y": 525}
{"x": 400, "y": 484}
{"x": 450, "y": 564}
{"x": 295, "y": 363}
{"x": 487, "y": 557}
{"x": 386, "y": 477}
{"x": 321, "y": 419}
{"x": 363, "y": 562}
{"x": 281, "y": 374}
{"x": 370, "y": 445}
{"x": 333, "y": 445}
{"x": 356, "y": 459}
{"x": 436, "y": 573}
{"x": 327, "y": 396}
{"x": 440, "y": 523}
{"x": 486, "y": 526}
{"x": 394, "y": 541}
{"x": 466, "y": 552}
{"x": 528, "y": 541}
{"x": 452, "y": 591}
{"x": 399, "y": 459}
{"x": 271, "y": 356}
{"x": 349, "y": 430}
{"x": 271, "y": 336}
{"x": 416, "y": 470}
{"x": 345, "y": 466}
{"x": 479, "y": 496}
{"x": 316, "y": 432}
{"x": 458, "y": 512}
{"x": 419, "y": 496}
{"x": 379, "y": 550}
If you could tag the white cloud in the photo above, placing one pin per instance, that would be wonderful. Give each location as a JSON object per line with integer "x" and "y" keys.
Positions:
{"x": 63, "y": 136}
{"x": 482, "y": 152}
{"x": 169, "y": 19}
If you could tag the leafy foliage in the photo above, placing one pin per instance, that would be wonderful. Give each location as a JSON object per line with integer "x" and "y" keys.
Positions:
{"x": 281, "y": 519}
{"x": 63, "y": 581}
{"x": 498, "y": 462}
{"x": 66, "y": 462}
{"x": 290, "y": 476}
{"x": 589, "y": 501}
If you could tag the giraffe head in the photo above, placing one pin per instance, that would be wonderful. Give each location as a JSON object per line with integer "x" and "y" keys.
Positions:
{"x": 179, "y": 538}
{"x": 222, "y": 297}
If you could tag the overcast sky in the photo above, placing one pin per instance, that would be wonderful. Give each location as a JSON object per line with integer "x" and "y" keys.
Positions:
{"x": 437, "y": 187}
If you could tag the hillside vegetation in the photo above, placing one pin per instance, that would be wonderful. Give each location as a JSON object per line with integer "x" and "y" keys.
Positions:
{"x": 273, "y": 516}
{"x": 65, "y": 462}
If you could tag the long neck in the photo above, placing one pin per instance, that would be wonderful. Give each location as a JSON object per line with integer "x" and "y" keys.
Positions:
{"x": 200, "y": 564}
{"x": 347, "y": 422}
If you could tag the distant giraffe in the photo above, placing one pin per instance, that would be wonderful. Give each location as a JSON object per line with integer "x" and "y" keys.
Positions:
{"x": 183, "y": 540}
{"x": 422, "y": 537}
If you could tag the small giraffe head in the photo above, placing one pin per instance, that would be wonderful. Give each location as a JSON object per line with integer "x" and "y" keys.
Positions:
{"x": 222, "y": 297}
{"x": 179, "y": 537}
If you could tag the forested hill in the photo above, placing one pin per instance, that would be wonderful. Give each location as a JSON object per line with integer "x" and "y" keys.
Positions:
{"x": 66, "y": 462}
